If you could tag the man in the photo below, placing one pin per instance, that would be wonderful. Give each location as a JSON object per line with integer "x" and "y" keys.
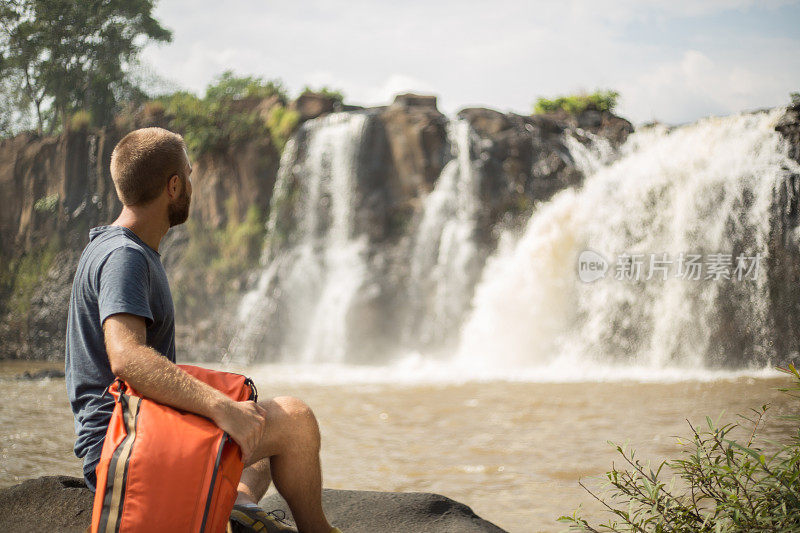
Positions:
{"x": 121, "y": 323}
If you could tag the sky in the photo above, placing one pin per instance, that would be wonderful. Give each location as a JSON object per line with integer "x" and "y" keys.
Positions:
{"x": 671, "y": 60}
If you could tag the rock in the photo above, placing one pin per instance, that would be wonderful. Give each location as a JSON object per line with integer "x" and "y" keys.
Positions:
{"x": 603, "y": 123}
{"x": 50, "y": 503}
{"x": 789, "y": 127}
{"x": 312, "y": 105}
{"x": 783, "y": 257}
{"x": 417, "y": 143}
{"x": 526, "y": 159}
{"x": 41, "y": 374}
{"x": 356, "y": 511}
{"x": 64, "y": 504}
{"x": 415, "y": 100}
{"x": 73, "y": 170}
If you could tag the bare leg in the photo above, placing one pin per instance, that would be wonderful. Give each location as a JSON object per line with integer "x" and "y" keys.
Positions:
{"x": 292, "y": 444}
{"x": 255, "y": 482}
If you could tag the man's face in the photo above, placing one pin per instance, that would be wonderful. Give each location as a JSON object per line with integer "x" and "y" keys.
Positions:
{"x": 178, "y": 210}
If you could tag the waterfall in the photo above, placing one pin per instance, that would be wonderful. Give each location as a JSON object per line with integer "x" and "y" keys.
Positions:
{"x": 659, "y": 260}
{"x": 305, "y": 291}
{"x": 445, "y": 258}
{"x": 309, "y": 302}
{"x": 703, "y": 190}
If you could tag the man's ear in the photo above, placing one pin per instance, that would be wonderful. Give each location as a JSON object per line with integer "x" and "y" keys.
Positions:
{"x": 174, "y": 187}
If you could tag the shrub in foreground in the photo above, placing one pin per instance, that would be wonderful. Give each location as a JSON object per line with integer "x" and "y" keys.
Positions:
{"x": 718, "y": 485}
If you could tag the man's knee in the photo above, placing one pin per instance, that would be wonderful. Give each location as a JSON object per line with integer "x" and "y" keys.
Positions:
{"x": 297, "y": 416}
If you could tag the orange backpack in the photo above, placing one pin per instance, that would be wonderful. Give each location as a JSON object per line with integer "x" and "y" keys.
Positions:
{"x": 167, "y": 470}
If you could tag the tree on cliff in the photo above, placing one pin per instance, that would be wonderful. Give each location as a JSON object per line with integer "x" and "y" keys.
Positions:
{"x": 74, "y": 55}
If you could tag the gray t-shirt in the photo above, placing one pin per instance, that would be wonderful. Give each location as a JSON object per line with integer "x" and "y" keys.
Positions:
{"x": 117, "y": 273}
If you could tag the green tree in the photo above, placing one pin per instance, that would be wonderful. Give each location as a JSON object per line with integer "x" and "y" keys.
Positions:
{"x": 228, "y": 87}
{"x": 75, "y": 55}
{"x": 15, "y": 107}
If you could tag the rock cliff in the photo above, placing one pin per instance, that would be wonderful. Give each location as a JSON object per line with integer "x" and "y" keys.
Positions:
{"x": 56, "y": 188}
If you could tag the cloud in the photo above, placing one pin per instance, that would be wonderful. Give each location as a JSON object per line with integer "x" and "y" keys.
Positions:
{"x": 696, "y": 86}
{"x": 501, "y": 55}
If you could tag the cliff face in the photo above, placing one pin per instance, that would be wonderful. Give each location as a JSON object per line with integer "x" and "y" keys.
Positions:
{"x": 54, "y": 190}
{"x": 53, "y": 186}
{"x": 57, "y": 188}
{"x": 784, "y": 245}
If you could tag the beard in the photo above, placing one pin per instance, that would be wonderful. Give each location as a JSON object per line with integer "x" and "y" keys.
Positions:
{"x": 178, "y": 211}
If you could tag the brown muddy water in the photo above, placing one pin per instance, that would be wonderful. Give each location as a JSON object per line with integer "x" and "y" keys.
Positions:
{"x": 514, "y": 452}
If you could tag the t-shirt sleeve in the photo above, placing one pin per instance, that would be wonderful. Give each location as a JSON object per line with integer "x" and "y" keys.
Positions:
{"x": 125, "y": 285}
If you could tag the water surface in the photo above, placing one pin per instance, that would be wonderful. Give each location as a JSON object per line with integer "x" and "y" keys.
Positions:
{"x": 514, "y": 452}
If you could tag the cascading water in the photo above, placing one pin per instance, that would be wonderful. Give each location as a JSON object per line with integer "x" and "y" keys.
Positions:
{"x": 445, "y": 258}
{"x": 309, "y": 286}
{"x": 669, "y": 196}
{"x": 700, "y": 190}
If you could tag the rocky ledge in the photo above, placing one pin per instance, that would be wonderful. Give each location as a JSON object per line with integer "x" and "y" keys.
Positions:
{"x": 62, "y": 503}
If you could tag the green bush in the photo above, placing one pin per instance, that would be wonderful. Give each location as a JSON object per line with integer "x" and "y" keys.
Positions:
{"x": 335, "y": 94}
{"x": 574, "y": 104}
{"x": 226, "y": 116}
{"x": 723, "y": 486}
{"x": 214, "y": 259}
{"x": 80, "y": 120}
{"x": 281, "y": 123}
{"x": 229, "y": 87}
{"x": 46, "y": 204}
{"x": 20, "y": 276}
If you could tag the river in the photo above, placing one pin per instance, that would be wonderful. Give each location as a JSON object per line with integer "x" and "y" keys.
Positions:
{"x": 513, "y": 451}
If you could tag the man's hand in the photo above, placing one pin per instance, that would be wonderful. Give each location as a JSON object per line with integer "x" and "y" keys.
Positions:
{"x": 155, "y": 377}
{"x": 246, "y": 423}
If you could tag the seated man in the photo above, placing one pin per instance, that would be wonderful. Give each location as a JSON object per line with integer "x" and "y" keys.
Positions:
{"x": 121, "y": 323}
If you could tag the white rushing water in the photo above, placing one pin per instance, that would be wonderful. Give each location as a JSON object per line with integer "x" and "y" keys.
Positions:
{"x": 445, "y": 259}
{"x": 326, "y": 266}
{"x": 702, "y": 189}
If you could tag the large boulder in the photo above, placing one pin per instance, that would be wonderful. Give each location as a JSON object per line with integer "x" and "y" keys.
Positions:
{"x": 417, "y": 149}
{"x": 64, "y": 504}
{"x": 312, "y": 105}
{"x": 789, "y": 127}
{"x": 50, "y": 503}
{"x": 359, "y": 511}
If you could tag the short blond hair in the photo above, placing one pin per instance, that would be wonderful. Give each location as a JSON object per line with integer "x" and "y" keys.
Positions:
{"x": 143, "y": 161}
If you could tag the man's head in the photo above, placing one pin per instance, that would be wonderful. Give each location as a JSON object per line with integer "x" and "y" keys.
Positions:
{"x": 150, "y": 164}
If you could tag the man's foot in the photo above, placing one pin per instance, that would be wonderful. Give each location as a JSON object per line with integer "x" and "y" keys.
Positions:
{"x": 249, "y": 517}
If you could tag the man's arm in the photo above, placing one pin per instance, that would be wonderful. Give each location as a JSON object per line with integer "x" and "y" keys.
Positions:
{"x": 157, "y": 378}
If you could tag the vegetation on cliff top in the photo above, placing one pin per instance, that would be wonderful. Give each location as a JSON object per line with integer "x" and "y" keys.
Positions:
{"x": 233, "y": 110}
{"x": 720, "y": 485}
{"x": 601, "y": 100}
{"x": 334, "y": 94}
